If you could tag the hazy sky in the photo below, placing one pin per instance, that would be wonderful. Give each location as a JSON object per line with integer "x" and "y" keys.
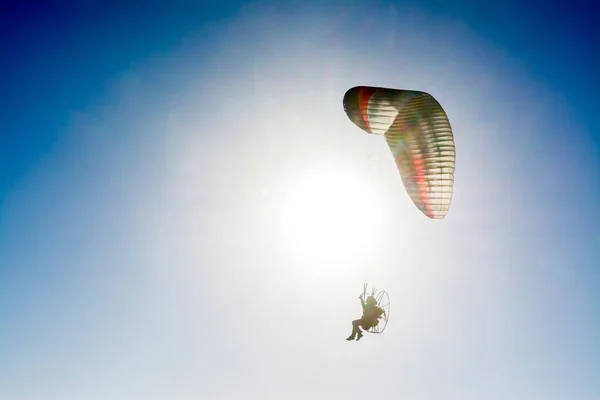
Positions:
{"x": 187, "y": 212}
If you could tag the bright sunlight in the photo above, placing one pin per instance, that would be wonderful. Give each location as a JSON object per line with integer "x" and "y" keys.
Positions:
{"x": 331, "y": 217}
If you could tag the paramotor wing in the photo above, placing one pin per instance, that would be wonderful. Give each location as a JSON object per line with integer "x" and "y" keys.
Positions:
{"x": 419, "y": 135}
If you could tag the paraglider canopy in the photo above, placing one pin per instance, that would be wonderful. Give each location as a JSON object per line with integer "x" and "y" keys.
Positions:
{"x": 419, "y": 136}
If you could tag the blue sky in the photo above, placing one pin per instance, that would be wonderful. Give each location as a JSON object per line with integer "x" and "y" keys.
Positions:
{"x": 151, "y": 161}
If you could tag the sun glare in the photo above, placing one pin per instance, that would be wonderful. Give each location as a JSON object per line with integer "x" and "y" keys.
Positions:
{"x": 331, "y": 217}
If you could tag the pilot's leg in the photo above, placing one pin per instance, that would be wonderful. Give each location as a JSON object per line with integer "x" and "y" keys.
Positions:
{"x": 355, "y": 330}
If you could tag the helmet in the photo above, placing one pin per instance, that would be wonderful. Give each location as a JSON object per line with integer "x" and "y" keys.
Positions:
{"x": 371, "y": 301}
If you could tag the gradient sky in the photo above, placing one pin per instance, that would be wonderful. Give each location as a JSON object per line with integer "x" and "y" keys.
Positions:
{"x": 152, "y": 159}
